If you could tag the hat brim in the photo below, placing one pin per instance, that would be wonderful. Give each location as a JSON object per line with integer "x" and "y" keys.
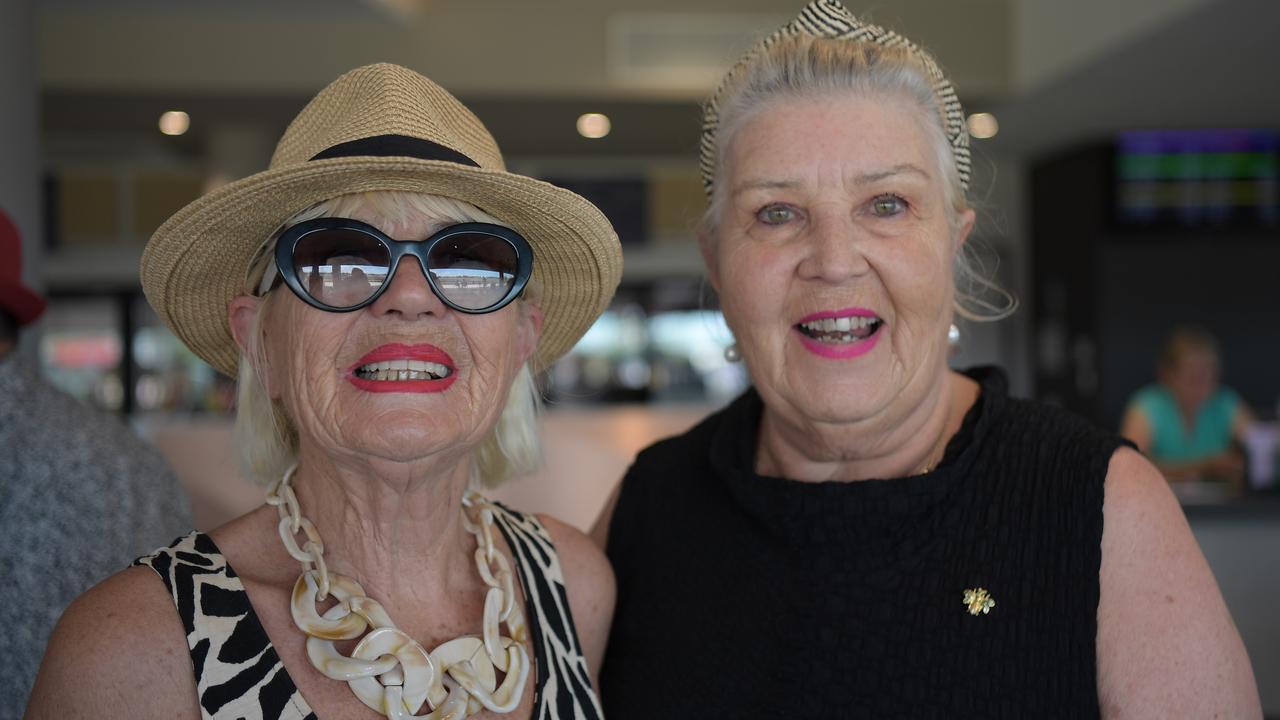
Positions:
{"x": 196, "y": 261}
{"x": 22, "y": 303}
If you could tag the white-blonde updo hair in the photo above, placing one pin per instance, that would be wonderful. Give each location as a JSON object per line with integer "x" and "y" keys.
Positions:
{"x": 804, "y": 66}
{"x": 266, "y": 436}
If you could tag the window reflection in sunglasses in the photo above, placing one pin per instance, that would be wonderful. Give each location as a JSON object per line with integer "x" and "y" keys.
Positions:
{"x": 342, "y": 282}
{"x": 473, "y": 271}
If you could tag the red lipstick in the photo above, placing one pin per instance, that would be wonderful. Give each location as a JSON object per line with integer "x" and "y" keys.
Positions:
{"x": 399, "y": 351}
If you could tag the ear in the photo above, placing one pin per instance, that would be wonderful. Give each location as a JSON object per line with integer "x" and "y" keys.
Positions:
{"x": 242, "y": 316}
{"x": 707, "y": 246}
{"x": 967, "y": 220}
{"x": 529, "y": 331}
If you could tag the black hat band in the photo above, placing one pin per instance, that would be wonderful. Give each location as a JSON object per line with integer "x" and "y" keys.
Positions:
{"x": 395, "y": 146}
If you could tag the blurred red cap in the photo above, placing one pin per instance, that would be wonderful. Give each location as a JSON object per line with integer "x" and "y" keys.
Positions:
{"x": 17, "y": 299}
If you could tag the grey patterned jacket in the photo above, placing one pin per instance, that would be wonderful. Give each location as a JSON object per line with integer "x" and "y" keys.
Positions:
{"x": 80, "y": 497}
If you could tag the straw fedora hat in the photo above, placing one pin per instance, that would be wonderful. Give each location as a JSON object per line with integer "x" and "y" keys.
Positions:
{"x": 378, "y": 127}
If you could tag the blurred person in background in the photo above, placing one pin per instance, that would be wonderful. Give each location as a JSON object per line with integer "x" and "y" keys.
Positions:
{"x": 1188, "y": 423}
{"x": 80, "y": 494}
{"x": 382, "y": 326}
{"x": 866, "y": 533}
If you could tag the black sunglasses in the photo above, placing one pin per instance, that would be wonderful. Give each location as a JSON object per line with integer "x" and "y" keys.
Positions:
{"x": 340, "y": 265}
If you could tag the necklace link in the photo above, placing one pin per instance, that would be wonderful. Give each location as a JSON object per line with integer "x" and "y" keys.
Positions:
{"x": 388, "y": 670}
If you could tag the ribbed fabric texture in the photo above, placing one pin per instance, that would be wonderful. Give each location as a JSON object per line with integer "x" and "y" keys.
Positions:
{"x": 748, "y": 596}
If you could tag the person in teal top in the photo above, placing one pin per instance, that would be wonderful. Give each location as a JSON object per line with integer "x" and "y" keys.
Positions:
{"x": 1187, "y": 423}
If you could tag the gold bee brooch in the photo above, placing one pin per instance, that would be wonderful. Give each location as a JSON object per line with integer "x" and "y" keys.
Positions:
{"x": 979, "y": 601}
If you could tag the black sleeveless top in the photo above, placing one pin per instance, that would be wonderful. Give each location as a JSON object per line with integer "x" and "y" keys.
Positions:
{"x": 969, "y": 591}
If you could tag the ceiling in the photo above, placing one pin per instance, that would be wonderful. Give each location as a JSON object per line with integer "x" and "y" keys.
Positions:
{"x": 528, "y": 69}
{"x": 510, "y": 48}
{"x": 1056, "y": 73}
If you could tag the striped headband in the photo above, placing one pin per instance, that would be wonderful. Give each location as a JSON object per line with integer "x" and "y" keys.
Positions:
{"x": 830, "y": 19}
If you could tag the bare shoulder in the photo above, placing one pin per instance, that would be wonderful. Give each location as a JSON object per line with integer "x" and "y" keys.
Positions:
{"x": 579, "y": 556}
{"x": 590, "y": 584}
{"x": 1166, "y": 643}
{"x": 119, "y": 650}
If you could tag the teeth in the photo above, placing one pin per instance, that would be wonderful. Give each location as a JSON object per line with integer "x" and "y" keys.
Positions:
{"x": 844, "y": 324}
{"x": 838, "y": 330}
{"x": 402, "y": 370}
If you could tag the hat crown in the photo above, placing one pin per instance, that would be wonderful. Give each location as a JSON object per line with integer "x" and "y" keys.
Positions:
{"x": 376, "y": 128}
{"x": 385, "y": 100}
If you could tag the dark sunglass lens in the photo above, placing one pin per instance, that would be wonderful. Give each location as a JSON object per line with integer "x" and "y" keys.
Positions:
{"x": 340, "y": 268}
{"x": 473, "y": 270}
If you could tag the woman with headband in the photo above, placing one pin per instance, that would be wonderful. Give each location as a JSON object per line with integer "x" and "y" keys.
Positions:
{"x": 866, "y": 533}
{"x": 382, "y": 291}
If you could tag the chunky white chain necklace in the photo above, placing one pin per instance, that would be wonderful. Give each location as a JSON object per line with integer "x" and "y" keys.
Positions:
{"x": 388, "y": 670}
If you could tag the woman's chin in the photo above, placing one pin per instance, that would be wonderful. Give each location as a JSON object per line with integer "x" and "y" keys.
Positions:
{"x": 834, "y": 409}
{"x": 841, "y": 400}
{"x": 405, "y": 450}
{"x": 405, "y": 437}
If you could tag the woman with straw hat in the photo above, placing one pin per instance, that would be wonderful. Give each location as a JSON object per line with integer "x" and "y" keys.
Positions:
{"x": 382, "y": 291}
{"x": 866, "y": 533}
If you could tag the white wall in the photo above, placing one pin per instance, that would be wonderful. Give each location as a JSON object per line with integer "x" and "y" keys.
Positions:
{"x": 1052, "y": 37}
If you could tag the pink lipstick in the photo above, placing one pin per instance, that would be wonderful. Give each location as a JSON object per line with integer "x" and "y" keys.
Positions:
{"x": 403, "y": 368}
{"x": 857, "y": 319}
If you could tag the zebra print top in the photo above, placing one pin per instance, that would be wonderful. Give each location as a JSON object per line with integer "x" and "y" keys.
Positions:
{"x": 239, "y": 674}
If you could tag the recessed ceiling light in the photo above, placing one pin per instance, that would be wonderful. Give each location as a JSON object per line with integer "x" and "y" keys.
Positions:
{"x": 983, "y": 125}
{"x": 593, "y": 125}
{"x": 174, "y": 122}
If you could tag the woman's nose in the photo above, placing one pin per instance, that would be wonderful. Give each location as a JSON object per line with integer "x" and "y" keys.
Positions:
{"x": 834, "y": 251}
{"x": 409, "y": 296}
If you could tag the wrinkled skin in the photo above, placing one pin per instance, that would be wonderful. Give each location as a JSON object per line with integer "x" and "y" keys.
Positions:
{"x": 837, "y": 202}
{"x": 308, "y": 353}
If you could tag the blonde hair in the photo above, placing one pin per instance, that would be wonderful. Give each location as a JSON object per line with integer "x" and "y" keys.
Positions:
{"x": 264, "y": 433}
{"x": 1184, "y": 342}
{"x": 803, "y": 66}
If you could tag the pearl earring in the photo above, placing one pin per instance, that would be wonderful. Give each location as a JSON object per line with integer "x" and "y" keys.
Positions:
{"x": 732, "y": 353}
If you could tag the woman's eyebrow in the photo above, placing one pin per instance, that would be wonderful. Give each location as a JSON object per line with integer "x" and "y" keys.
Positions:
{"x": 904, "y": 168}
{"x": 762, "y": 184}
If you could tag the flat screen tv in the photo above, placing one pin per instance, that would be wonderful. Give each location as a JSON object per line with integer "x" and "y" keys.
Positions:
{"x": 1198, "y": 178}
